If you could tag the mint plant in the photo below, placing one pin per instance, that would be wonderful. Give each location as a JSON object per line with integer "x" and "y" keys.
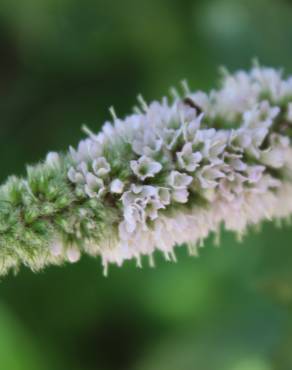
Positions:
{"x": 170, "y": 173}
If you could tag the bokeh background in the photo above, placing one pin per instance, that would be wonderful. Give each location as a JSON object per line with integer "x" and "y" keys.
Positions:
{"x": 62, "y": 64}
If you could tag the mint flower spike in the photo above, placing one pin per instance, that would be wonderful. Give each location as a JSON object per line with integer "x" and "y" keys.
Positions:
{"x": 170, "y": 173}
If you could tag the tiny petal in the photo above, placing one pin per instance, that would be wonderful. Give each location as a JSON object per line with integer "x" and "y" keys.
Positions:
{"x": 145, "y": 167}
{"x": 188, "y": 160}
{"x": 94, "y": 186}
{"x": 179, "y": 180}
{"x": 116, "y": 186}
{"x": 101, "y": 167}
{"x": 255, "y": 173}
{"x": 73, "y": 254}
{"x": 75, "y": 176}
{"x": 164, "y": 195}
{"x": 53, "y": 159}
{"x": 56, "y": 248}
{"x": 180, "y": 195}
{"x": 273, "y": 157}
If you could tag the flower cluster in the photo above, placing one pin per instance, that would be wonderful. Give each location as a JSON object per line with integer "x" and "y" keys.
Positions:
{"x": 174, "y": 171}
{"x": 181, "y": 153}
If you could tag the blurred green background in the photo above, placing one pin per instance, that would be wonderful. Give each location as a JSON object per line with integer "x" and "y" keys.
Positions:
{"x": 63, "y": 63}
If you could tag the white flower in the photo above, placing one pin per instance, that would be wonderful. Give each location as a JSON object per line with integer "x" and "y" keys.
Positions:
{"x": 170, "y": 137}
{"x": 208, "y": 176}
{"x": 240, "y": 139}
{"x": 231, "y": 187}
{"x": 74, "y": 176}
{"x": 213, "y": 143}
{"x": 258, "y": 136}
{"x": 188, "y": 160}
{"x": 164, "y": 195}
{"x": 235, "y": 161}
{"x": 101, "y": 167}
{"x": 254, "y": 173}
{"x": 116, "y": 186}
{"x": 265, "y": 184}
{"x": 133, "y": 214}
{"x": 73, "y": 254}
{"x": 237, "y": 95}
{"x": 94, "y": 186}
{"x": 134, "y": 202}
{"x": 273, "y": 157}
{"x": 56, "y": 248}
{"x": 142, "y": 203}
{"x": 145, "y": 167}
{"x": 180, "y": 195}
{"x": 261, "y": 116}
{"x": 276, "y": 155}
{"x": 187, "y": 110}
{"x": 179, "y": 180}
{"x": 191, "y": 128}
{"x": 270, "y": 81}
{"x": 53, "y": 159}
{"x": 152, "y": 207}
{"x": 202, "y": 100}
{"x": 87, "y": 149}
{"x": 140, "y": 194}
{"x": 78, "y": 175}
{"x": 147, "y": 145}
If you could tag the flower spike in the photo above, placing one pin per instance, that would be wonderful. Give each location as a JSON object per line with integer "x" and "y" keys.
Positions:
{"x": 168, "y": 174}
